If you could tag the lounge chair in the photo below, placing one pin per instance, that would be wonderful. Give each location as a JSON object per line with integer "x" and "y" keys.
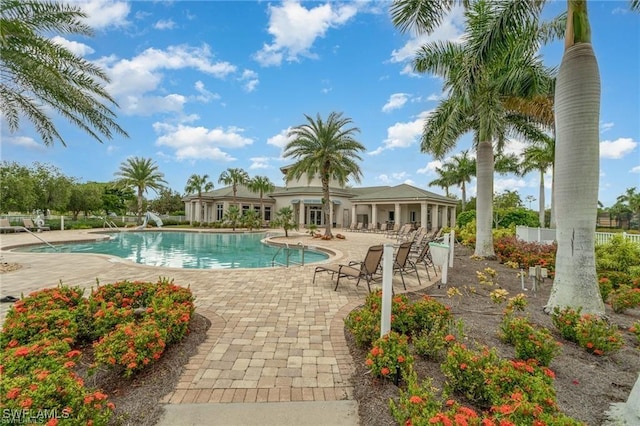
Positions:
{"x": 403, "y": 263}
{"x": 366, "y": 269}
{"x": 28, "y": 223}
{"x": 382, "y": 229}
{"x": 424, "y": 257}
{"x": 6, "y": 226}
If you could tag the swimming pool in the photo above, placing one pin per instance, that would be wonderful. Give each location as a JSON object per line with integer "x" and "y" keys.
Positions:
{"x": 190, "y": 250}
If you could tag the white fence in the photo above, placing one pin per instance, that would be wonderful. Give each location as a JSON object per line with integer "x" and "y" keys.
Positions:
{"x": 548, "y": 235}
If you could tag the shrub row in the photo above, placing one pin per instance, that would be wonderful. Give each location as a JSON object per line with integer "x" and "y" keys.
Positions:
{"x": 128, "y": 323}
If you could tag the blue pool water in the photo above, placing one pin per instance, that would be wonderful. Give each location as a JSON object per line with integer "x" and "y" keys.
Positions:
{"x": 187, "y": 250}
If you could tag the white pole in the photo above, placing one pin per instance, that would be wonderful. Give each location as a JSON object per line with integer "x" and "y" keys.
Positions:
{"x": 387, "y": 288}
{"x": 452, "y": 241}
{"x": 62, "y": 223}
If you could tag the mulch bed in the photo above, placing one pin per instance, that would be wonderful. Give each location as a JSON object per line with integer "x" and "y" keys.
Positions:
{"x": 586, "y": 384}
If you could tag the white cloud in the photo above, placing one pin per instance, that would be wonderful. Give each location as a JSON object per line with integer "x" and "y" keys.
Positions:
{"x": 430, "y": 167}
{"x": 402, "y": 135}
{"x": 606, "y": 126}
{"x": 149, "y": 105}
{"x": 514, "y": 146}
{"x": 79, "y": 49}
{"x": 635, "y": 169}
{"x": 281, "y": 139}
{"x": 394, "y": 178}
{"x": 435, "y": 97}
{"x": 164, "y": 24}
{"x": 260, "y": 163}
{"x": 194, "y": 143}
{"x": 396, "y": 100}
{"x": 295, "y": 29}
{"x": 617, "y": 149}
{"x": 450, "y": 29}
{"x": 502, "y": 184}
{"x": 251, "y": 80}
{"x": 105, "y": 13}
{"x": 204, "y": 95}
{"x": 132, "y": 79}
{"x": 23, "y": 141}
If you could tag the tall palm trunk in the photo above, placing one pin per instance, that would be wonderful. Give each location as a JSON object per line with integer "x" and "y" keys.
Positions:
{"x": 577, "y": 103}
{"x": 140, "y": 197}
{"x": 463, "y": 188}
{"x": 326, "y": 208}
{"x": 541, "y": 198}
{"x": 484, "y": 208}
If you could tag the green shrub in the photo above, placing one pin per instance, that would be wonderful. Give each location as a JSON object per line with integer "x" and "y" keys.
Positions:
{"x": 624, "y": 298}
{"x": 364, "y": 325}
{"x": 597, "y": 336}
{"x": 618, "y": 254}
{"x": 390, "y": 357}
{"x": 466, "y": 217}
{"x": 566, "y": 320}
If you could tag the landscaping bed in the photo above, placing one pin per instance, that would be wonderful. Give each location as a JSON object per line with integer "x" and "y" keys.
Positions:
{"x": 585, "y": 384}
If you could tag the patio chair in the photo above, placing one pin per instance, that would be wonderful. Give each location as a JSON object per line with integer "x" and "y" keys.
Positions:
{"x": 28, "y": 223}
{"x": 392, "y": 231}
{"x": 403, "y": 264}
{"x": 366, "y": 269}
{"x": 424, "y": 257}
{"x": 6, "y": 226}
{"x": 382, "y": 229}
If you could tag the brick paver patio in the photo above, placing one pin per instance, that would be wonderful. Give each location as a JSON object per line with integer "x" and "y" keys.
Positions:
{"x": 275, "y": 336}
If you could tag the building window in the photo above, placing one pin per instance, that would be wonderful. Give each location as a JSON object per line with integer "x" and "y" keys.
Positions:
{"x": 219, "y": 212}
{"x": 392, "y": 216}
{"x": 245, "y": 209}
{"x": 412, "y": 216}
{"x": 267, "y": 213}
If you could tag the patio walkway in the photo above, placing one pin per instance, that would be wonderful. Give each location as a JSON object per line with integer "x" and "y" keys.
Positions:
{"x": 275, "y": 337}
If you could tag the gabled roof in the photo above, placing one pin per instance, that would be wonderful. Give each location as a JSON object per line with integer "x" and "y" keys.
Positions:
{"x": 402, "y": 192}
{"x": 313, "y": 190}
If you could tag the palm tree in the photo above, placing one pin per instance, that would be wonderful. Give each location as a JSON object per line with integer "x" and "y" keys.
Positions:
{"x": 477, "y": 85}
{"x": 234, "y": 177}
{"x": 462, "y": 168}
{"x": 577, "y": 108}
{"x": 142, "y": 174}
{"x": 632, "y": 200}
{"x": 328, "y": 149}
{"x": 39, "y": 75}
{"x": 261, "y": 185}
{"x": 197, "y": 184}
{"x": 539, "y": 157}
{"x": 444, "y": 179}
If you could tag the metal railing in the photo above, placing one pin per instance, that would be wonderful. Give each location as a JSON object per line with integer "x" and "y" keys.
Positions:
{"x": 111, "y": 224}
{"x": 287, "y": 250}
{"x": 38, "y": 237}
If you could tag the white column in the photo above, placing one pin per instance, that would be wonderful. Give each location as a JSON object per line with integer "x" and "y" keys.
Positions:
{"x": 423, "y": 214}
{"x": 205, "y": 217}
{"x": 374, "y": 215}
{"x": 353, "y": 214}
{"x": 301, "y": 217}
{"x": 396, "y": 214}
{"x": 453, "y": 217}
{"x": 434, "y": 216}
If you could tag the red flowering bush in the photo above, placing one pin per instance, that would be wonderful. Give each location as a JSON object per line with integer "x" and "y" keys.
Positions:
{"x": 133, "y": 320}
{"x": 635, "y": 329}
{"x": 623, "y": 298}
{"x": 529, "y": 341}
{"x": 511, "y": 249}
{"x": 417, "y": 404}
{"x": 466, "y": 369}
{"x": 131, "y": 345}
{"x": 364, "y": 324}
{"x": 566, "y": 320}
{"x": 390, "y": 356}
{"x": 597, "y": 336}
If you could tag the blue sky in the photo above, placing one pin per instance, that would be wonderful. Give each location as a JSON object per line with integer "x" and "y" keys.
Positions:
{"x": 208, "y": 85}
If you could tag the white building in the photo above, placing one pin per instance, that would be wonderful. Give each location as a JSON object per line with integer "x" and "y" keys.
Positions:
{"x": 370, "y": 206}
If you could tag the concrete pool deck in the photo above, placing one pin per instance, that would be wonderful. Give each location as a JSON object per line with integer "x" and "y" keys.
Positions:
{"x": 275, "y": 336}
